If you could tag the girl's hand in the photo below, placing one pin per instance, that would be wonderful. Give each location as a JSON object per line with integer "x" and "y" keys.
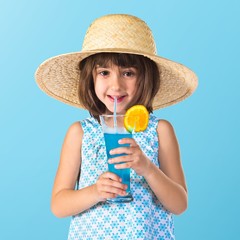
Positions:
{"x": 134, "y": 159}
{"x": 109, "y": 185}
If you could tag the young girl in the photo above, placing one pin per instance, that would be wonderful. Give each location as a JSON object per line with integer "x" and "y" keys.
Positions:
{"x": 118, "y": 60}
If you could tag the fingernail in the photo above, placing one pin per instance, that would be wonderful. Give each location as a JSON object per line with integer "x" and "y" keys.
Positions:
{"x": 109, "y": 160}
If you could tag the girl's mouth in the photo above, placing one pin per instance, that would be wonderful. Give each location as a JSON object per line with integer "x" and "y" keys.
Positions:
{"x": 119, "y": 98}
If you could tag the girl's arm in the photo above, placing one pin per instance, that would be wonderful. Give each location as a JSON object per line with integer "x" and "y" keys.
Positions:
{"x": 66, "y": 201}
{"x": 168, "y": 182}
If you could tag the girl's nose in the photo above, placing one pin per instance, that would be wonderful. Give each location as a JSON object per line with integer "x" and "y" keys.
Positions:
{"x": 116, "y": 82}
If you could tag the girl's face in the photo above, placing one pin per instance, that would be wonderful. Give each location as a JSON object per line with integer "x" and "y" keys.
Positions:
{"x": 115, "y": 82}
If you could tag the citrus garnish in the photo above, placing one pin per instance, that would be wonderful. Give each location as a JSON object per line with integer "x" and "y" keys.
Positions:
{"x": 136, "y": 118}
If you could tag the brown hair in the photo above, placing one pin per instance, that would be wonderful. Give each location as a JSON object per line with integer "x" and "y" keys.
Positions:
{"x": 148, "y": 80}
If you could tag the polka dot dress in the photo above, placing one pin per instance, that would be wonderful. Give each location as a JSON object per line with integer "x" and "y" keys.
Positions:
{"x": 144, "y": 217}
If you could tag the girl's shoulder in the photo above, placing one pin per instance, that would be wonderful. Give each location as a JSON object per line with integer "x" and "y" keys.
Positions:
{"x": 89, "y": 123}
{"x": 163, "y": 127}
{"x": 159, "y": 123}
{"x": 165, "y": 131}
{"x": 75, "y": 127}
{"x": 74, "y": 135}
{"x": 77, "y": 130}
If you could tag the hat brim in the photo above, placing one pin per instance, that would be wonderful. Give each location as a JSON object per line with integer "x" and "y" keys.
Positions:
{"x": 59, "y": 77}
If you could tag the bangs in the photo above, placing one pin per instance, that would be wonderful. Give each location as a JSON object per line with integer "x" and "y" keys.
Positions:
{"x": 119, "y": 59}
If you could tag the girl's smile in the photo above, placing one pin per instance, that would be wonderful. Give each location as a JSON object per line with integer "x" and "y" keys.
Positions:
{"x": 115, "y": 82}
{"x": 119, "y": 98}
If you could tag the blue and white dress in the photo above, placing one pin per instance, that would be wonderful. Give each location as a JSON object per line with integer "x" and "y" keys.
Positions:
{"x": 144, "y": 217}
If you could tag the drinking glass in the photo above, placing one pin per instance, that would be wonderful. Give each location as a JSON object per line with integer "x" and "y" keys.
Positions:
{"x": 114, "y": 130}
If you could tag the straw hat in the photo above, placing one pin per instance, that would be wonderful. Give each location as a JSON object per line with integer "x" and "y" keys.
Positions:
{"x": 59, "y": 76}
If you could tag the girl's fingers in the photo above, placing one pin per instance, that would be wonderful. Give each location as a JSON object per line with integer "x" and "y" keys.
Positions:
{"x": 123, "y": 165}
{"x": 112, "y": 176}
{"x": 111, "y": 180}
{"x": 127, "y": 150}
{"x": 109, "y": 186}
{"x": 113, "y": 184}
{"x": 113, "y": 190}
{"x": 120, "y": 159}
{"x": 127, "y": 141}
{"x": 130, "y": 141}
{"x": 121, "y": 150}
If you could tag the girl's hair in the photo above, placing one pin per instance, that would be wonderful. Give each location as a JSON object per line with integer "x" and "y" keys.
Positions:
{"x": 148, "y": 80}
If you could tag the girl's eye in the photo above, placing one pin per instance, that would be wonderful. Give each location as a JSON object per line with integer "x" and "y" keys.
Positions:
{"x": 104, "y": 73}
{"x": 129, "y": 74}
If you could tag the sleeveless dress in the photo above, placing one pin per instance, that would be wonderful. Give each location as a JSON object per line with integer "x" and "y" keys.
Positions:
{"x": 144, "y": 217}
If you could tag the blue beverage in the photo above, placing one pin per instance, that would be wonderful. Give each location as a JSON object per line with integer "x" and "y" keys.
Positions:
{"x": 111, "y": 141}
{"x": 114, "y": 130}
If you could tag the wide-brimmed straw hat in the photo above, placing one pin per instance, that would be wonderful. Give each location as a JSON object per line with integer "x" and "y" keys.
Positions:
{"x": 59, "y": 76}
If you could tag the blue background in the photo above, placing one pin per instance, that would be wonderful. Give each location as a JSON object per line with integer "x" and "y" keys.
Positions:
{"x": 204, "y": 35}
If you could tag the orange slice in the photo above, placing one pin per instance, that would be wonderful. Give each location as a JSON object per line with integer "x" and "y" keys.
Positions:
{"x": 136, "y": 118}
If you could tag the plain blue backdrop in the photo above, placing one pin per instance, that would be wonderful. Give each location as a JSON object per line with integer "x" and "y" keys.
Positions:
{"x": 203, "y": 35}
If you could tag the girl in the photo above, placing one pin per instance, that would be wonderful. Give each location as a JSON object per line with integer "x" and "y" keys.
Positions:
{"x": 118, "y": 60}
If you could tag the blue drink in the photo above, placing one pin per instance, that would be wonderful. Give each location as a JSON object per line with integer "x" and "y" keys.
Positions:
{"x": 111, "y": 141}
{"x": 114, "y": 130}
